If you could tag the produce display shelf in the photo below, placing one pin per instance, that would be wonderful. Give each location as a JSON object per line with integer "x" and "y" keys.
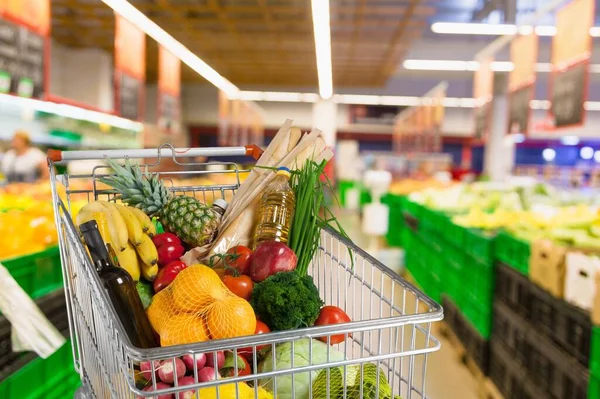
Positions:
{"x": 480, "y": 245}
{"x": 38, "y": 273}
{"x": 53, "y": 377}
{"x": 396, "y": 220}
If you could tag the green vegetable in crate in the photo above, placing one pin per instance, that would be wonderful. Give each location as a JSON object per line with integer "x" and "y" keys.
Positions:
{"x": 286, "y": 301}
{"x": 350, "y": 378}
{"x": 302, "y": 351}
{"x": 186, "y": 217}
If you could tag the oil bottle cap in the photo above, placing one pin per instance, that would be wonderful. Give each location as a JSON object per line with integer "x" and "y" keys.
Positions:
{"x": 221, "y": 203}
{"x": 282, "y": 170}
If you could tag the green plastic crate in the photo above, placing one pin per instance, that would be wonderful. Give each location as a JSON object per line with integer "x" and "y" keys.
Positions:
{"x": 594, "y": 386}
{"x": 480, "y": 245}
{"x": 479, "y": 316}
{"x": 595, "y": 351}
{"x": 343, "y": 187}
{"x": 53, "y": 377}
{"x": 454, "y": 234}
{"x": 412, "y": 208}
{"x": 396, "y": 220}
{"x": 512, "y": 252}
{"x": 38, "y": 273}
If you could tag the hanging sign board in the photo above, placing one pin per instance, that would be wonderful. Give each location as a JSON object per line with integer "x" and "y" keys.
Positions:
{"x": 24, "y": 45}
{"x": 130, "y": 68}
{"x": 571, "y": 50}
{"x": 483, "y": 91}
{"x": 521, "y": 86}
{"x": 169, "y": 90}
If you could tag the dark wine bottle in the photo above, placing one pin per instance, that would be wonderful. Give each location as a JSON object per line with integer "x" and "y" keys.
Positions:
{"x": 120, "y": 288}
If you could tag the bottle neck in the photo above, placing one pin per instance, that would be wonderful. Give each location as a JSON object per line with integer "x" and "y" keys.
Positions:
{"x": 99, "y": 252}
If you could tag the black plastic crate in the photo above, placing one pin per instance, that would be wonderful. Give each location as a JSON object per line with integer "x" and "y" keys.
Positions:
{"x": 509, "y": 376}
{"x": 511, "y": 329}
{"x": 475, "y": 345}
{"x": 513, "y": 289}
{"x": 549, "y": 366}
{"x": 568, "y": 325}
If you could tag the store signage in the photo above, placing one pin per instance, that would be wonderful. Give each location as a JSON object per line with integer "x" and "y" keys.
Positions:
{"x": 571, "y": 50}
{"x": 24, "y": 30}
{"x": 130, "y": 69}
{"x": 483, "y": 92}
{"x": 169, "y": 90}
{"x": 521, "y": 84}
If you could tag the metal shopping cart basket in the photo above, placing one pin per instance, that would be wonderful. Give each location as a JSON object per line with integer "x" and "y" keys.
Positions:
{"x": 390, "y": 327}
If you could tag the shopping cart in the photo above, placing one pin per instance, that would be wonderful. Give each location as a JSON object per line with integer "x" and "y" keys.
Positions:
{"x": 391, "y": 319}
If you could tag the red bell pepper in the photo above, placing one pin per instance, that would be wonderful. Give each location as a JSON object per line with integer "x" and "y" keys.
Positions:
{"x": 167, "y": 274}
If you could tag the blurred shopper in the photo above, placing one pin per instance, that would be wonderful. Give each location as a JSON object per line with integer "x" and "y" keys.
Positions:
{"x": 24, "y": 163}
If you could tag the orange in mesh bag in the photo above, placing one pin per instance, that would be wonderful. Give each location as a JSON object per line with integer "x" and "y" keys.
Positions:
{"x": 197, "y": 307}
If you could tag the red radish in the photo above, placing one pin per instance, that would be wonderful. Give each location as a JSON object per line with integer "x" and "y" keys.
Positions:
{"x": 159, "y": 385}
{"x": 165, "y": 239}
{"x": 269, "y": 258}
{"x": 210, "y": 359}
{"x": 146, "y": 368}
{"x": 187, "y": 394}
{"x": 169, "y": 252}
{"x": 208, "y": 374}
{"x": 189, "y": 361}
{"x": 167, "y": 372}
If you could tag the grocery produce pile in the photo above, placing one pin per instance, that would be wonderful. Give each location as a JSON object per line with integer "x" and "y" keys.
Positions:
{"x": 529, "y": 213}
{"x": 207, "y": 277}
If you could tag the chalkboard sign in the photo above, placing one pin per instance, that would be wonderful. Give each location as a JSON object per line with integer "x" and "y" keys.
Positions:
{"x": 568, "y": 95}
{"x": 169, "y": 112}
{"x": 518, "y": 113}
{"x": 129, "y": 91}
{"x": 21, "y": 61}
{"x": 482, "y": 120}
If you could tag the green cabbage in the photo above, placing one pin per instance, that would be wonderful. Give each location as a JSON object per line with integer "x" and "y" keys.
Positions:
{"x": 283, "y": 361}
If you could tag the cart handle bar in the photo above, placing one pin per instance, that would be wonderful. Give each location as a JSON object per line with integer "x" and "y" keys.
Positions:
{"x": 167, "y": 151}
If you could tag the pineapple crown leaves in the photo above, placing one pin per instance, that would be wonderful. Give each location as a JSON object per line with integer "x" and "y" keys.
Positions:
{"x": 136, "y": 188}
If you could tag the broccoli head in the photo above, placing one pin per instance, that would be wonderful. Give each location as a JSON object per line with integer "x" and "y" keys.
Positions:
{"x": 287, "y": 301}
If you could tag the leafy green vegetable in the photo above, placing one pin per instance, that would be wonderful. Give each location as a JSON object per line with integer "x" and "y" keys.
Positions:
{"x": 321, "y": 354}
{"x": 350, "y": 377}
{"x": 145, "y": 292}
{"x": 286, "y": 301}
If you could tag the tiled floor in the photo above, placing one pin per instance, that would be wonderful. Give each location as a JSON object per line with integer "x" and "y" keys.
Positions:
{"x": 446, "y": 378}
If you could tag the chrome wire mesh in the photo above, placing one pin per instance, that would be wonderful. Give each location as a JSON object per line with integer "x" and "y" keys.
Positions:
{"x": 390, "y": 328}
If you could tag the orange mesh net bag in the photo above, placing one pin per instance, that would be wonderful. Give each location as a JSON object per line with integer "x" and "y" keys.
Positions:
{"x": 198, "y": 307}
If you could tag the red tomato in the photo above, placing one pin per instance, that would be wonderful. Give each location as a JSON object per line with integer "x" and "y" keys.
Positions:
{"x": 241, "y": 286}
{"x": 261, "y": 328}
{"x": 237, "y": 258}
{"x": 332, "y": 315}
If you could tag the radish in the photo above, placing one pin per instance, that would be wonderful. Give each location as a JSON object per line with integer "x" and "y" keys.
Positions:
{"x": 159, "y": 385}
{"x": 208, "y": 374}
{"x": 167, "y": 373}
{"x": 146, "y": 368}
{"x": 210, "y": 359}
{"x": 189, "y": 361}
{"x": 187, "y": 394}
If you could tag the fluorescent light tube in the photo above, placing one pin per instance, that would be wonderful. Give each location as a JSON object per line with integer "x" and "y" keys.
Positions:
{"x": 322, "y": 32}
{"x": 137, "y": 18}
{"x": 466, "y": 28}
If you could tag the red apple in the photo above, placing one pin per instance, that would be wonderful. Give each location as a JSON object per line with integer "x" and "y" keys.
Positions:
{"x": 269, "y": 258}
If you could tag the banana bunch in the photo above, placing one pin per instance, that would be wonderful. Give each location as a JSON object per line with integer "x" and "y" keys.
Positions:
{"x": 127, "y": 230}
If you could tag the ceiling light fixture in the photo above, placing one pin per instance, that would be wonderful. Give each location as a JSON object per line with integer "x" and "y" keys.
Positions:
{"x": 137, "y": 18}
{"x": 459, "y": 65}
{"x": 465, "y": 28}
{"x": 322, "y": 32}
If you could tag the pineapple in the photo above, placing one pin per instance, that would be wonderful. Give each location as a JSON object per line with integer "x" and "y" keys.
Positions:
{"x": 189, "y": 219}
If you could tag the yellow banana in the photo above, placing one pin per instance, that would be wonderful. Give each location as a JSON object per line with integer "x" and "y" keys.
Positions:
{"x": 134, "y": 228}
{"x": 117, "y": 226}
{"x": 149, "y": 272}
{"x": 84, "y": 214}
{"x": 147, "y": 226}
{"x": 102, "y": 221}
{"x": 147, "y": 251}
{"x": 128, "y": 260}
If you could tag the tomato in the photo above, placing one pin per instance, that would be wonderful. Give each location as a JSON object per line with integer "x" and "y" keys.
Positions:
{"x": 261, "y": 328}
{"x": 241, "y": 286}
{"x": 238, "y": 259}
{"x": 332, "y": 315}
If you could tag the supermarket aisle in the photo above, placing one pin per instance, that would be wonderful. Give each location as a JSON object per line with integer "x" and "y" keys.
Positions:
{"x": 446, "y": 377}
